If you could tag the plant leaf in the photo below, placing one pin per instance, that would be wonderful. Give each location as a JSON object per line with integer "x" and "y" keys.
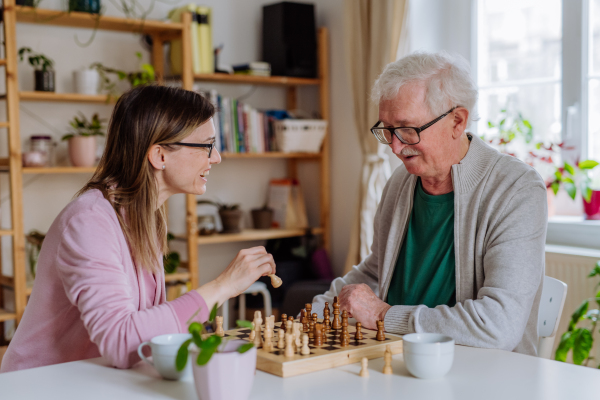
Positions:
{"x": 245, "y": 347}
{"x": 578, "y": 314}
{"x": 566, "y": 344}
{"x": 244, "y": 324}
{"x": 205, "y": 355}
{"x": 555, "y": 187}
{"x": 212, "y": 340}
{"x": 213, "y": 313}
{"x": 569, "y": 168}
{"x": 588, "y": 164}
{"x": 571, "y": 189}
{"x": 582, "y": 345}
{"x": 182, "y": 355}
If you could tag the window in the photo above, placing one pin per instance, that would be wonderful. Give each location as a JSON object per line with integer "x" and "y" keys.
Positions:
{"x": 593, "y": 81}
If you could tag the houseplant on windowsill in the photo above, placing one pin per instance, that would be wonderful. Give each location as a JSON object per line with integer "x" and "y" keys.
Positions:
{"x": 44, "y": 72}
{"x": 82, "y": 140}
{"x": 224, "y": 368}
{"x": 570, "y": 176}
{"x": 230, "y": 214}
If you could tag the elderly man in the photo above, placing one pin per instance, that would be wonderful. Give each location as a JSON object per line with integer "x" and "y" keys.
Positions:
{"x": 459, "y": 234}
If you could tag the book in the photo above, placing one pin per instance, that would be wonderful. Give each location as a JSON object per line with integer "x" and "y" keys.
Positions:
{"x": 176, "y": 49}
{"x": 204, "y": 35}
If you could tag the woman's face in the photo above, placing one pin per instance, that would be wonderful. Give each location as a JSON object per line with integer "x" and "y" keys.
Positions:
{"x": 187, "y": 169}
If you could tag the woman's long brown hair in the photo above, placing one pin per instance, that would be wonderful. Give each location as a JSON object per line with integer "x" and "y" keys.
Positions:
{"x": 143, "y": 117}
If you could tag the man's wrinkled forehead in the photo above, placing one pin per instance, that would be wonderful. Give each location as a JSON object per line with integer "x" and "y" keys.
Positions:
{"x": 406, "y": 108}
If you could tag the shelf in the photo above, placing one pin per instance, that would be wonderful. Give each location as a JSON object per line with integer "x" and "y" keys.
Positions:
{"x": 177, "y": 276}
{"x": 255, "y": 234}
{"x": 257, "y": 80}
{"x": 273, "y": 154}
{"x": 90, "y": 21}
{"x": 59, "y": 170}
{"x": 6, "y": 232}
{"x": 6, "y": 316}
{"x": 66, "y": 97}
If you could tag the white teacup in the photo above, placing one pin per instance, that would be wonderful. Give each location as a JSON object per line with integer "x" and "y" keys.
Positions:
{"x": 428, "y": 355}
{"x": 164, "y": 351}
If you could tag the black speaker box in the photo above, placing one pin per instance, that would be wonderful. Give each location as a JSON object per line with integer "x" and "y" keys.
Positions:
{"x": 290, "y": 39}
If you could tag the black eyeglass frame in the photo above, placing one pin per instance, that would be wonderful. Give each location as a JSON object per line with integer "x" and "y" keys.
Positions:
{"x": 418, "y": 130}
{"x": 210, "y": 146}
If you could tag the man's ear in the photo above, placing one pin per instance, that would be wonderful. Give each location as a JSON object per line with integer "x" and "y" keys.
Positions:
{"x": 461, "y": 119}
{"x": 156, "y": 156}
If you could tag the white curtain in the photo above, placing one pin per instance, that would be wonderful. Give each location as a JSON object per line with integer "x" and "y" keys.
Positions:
{"x": 376, "y": 34}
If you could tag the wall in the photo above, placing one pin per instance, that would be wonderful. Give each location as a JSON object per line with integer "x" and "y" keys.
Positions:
{"x": 237, "y": 25}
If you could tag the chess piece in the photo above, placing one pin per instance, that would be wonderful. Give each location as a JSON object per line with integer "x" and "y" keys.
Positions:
{"x": 311, "y": 328}
{"x": 275, "y": 280}
{"x": 308, "y": 307}
{"x": 364, "y": 372}
{"x": 336, "y": 325}
{"x": 291, "y": 318}
{"x": 289, "y": 345}
{"x": 298, "y": 335}
{"x": 252, "y": 333}
{"x": 380, "y": 335}
{"x": 281, "y": 343}
{"x": 305, "y": 350}
{"x": 326, "y": 323}
{"x": 289, "y": 328}
{"x": 345, "y": 323}
{"x": 271, "y": 322}
{"x": 315, "y": 318}
{"x": 303, "y": 320}
{"x": 358, "y": 335}
{"x": 387, "y": 360}
{"x": 318, "y": 341}
{"x": 257, "y": 329}
{"x": 219, "y": 329}
{"x": 283, "y": 320}
{"x": 344, "y": 337}
{"x": 268, "y": 343}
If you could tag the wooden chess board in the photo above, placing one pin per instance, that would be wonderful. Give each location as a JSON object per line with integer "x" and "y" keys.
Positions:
{"x": 330, "y": 355}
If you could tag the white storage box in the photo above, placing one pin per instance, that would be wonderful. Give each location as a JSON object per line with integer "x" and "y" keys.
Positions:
{"x": 300, "y": 135}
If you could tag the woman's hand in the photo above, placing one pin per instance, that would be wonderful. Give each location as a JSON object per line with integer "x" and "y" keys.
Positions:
{"x": 244, "y": 270}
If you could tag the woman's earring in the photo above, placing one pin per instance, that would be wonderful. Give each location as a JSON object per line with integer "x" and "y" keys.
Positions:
{"x": 163, "y": 167}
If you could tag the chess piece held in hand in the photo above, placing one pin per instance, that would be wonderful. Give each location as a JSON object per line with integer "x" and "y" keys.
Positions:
{"x": 387, "y": 360}
{"x": 219, "y": 329}
{"x": 275, "y": 281}
{"x": 364, "y": 372}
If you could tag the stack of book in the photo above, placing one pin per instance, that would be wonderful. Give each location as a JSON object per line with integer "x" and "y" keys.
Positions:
{"x": 202, "y": 49}
{"x": 256, "y": 68}
{"x": 240, "y": 128}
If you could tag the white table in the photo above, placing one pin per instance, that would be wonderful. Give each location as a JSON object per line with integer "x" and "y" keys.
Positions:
{"x": 476, "y": 374}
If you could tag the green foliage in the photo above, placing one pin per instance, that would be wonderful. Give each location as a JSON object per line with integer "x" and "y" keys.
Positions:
{"x": 84, "y": 127}
{"x": 142, "y": 77}
{"x": 37, "y": 60}
{"x": 568, "y": 175}
{"x": 220, "y": 205}
{"x": 171, "y": 260}
{"x": 209, "y": 344}
{"x": 580, "y": 339}
{"x": 511, "y": 126}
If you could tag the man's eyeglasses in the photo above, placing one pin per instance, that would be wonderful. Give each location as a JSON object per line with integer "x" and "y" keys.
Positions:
{"x": 406, "y": 134}
{"x": 210, "y": 146}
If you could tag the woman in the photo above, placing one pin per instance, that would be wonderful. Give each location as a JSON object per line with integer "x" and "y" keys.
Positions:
{"x": 100, "y": 285}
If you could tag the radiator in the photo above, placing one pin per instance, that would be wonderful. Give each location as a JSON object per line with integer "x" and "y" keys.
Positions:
{"x": 572, "y": 266}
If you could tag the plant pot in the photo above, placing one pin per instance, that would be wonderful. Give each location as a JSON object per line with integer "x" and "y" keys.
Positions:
{"x": 592, "y": 209}
{"x": 230, "y": 220}
{"x": 27, "y": 3}
{"x": 86, "y": 81}
{"x": 88, "y": 6}
{"x": 82, "y": 151}
{"x": 228, "y": 375}
{"x": 44, "y": 81}
{"x": 262, "y": 218}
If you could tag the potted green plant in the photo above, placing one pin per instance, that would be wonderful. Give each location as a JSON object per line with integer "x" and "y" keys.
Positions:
{"x": 143, "y": 76}
{"x": 171, "y": 260}
{"x": 230, "y": 215}
{"x": 35, "y": 240}
{"x": 82, "y": 140}
{"x": 44, "y": 72}
{"x": 88, "y": 6}
{"x": 224, "y": 368}
{"x": 579, "y": 337}
{"x": 570, "y": 176}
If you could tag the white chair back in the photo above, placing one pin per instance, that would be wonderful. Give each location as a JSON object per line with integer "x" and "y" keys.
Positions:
{"x": 551, "y": 307}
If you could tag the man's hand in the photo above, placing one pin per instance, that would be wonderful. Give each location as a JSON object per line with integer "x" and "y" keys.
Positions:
{"x": 362, "y": 304}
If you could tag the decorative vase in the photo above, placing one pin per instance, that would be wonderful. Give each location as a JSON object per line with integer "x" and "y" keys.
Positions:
{"x": 86, "y": 81}
{"x": 262, "y": 218}
{"x": 228, "y": 374}
{"x": 230, "y": 220}
{"x": 88, "y": 6}
{"x": 44, "y": 81}
{"x": 592, "y": 209}
{"x": 82, "y": 151}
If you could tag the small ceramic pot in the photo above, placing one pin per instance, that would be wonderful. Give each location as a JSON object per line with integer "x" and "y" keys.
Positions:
{"x": 228, "y": 375}
{"x": 262, "y": 218}
{"x": 82, "y": 151}
{"x": 88, "y": 6}
{"x": 230, "y": 220}
{"x": 592, "y": 209}
{"x": 44, "y": 81}
{"x": 86, "y": 81}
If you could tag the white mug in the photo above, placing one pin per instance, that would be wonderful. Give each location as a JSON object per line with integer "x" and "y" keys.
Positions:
{"x": 428, "y": 355}
{"x": 164, "y": 351}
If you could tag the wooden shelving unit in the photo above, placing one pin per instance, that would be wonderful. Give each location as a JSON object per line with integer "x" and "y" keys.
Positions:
{"x": 161, "y": 32}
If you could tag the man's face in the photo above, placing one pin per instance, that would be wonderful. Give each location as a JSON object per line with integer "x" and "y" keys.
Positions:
{"x": 434, "y": 155}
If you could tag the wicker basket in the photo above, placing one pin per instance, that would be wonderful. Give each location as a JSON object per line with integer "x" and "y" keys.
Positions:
{"x": 300, "y": 135}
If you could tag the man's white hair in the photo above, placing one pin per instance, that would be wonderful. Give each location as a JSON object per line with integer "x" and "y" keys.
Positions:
{"x": 447, "y": 80}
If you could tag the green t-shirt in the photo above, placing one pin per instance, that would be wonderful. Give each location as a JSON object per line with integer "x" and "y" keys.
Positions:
{"x": 424, "y": 272}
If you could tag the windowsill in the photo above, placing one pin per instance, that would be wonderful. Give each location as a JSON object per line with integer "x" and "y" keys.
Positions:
{"x": 573, "y": 232}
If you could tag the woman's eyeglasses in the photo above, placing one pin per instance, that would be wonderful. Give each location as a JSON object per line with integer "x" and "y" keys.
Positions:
{"x": 210, "y": 146}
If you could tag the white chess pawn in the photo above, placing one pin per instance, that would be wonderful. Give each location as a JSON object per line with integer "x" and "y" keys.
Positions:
{"x": 289, "y": 345}
{"x": 298, "y": 335}
{"x": 257, "y": 328}
{"x": 305, "y": 350}
{"x": 364, "y": 372}
{"x": 281, "y": 344}
{"x": 252, "y": 333}
{"x": 268, "y": 343}
{"x": 387, "y": 360}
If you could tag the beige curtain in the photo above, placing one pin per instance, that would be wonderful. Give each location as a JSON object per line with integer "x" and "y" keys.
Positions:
{"x": 375, "y": 34}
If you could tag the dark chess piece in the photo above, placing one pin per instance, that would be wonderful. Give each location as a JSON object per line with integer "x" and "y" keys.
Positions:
{"x": 283, "y": 319}
{"x": 358, "y": 335}
{"x": 380, "y": 335}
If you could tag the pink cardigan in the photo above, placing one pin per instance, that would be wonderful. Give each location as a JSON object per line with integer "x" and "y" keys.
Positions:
{"x": 89, "y": 299}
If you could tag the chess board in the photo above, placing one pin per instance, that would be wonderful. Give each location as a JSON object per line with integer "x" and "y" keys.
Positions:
{"x": 330, "y": 355}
